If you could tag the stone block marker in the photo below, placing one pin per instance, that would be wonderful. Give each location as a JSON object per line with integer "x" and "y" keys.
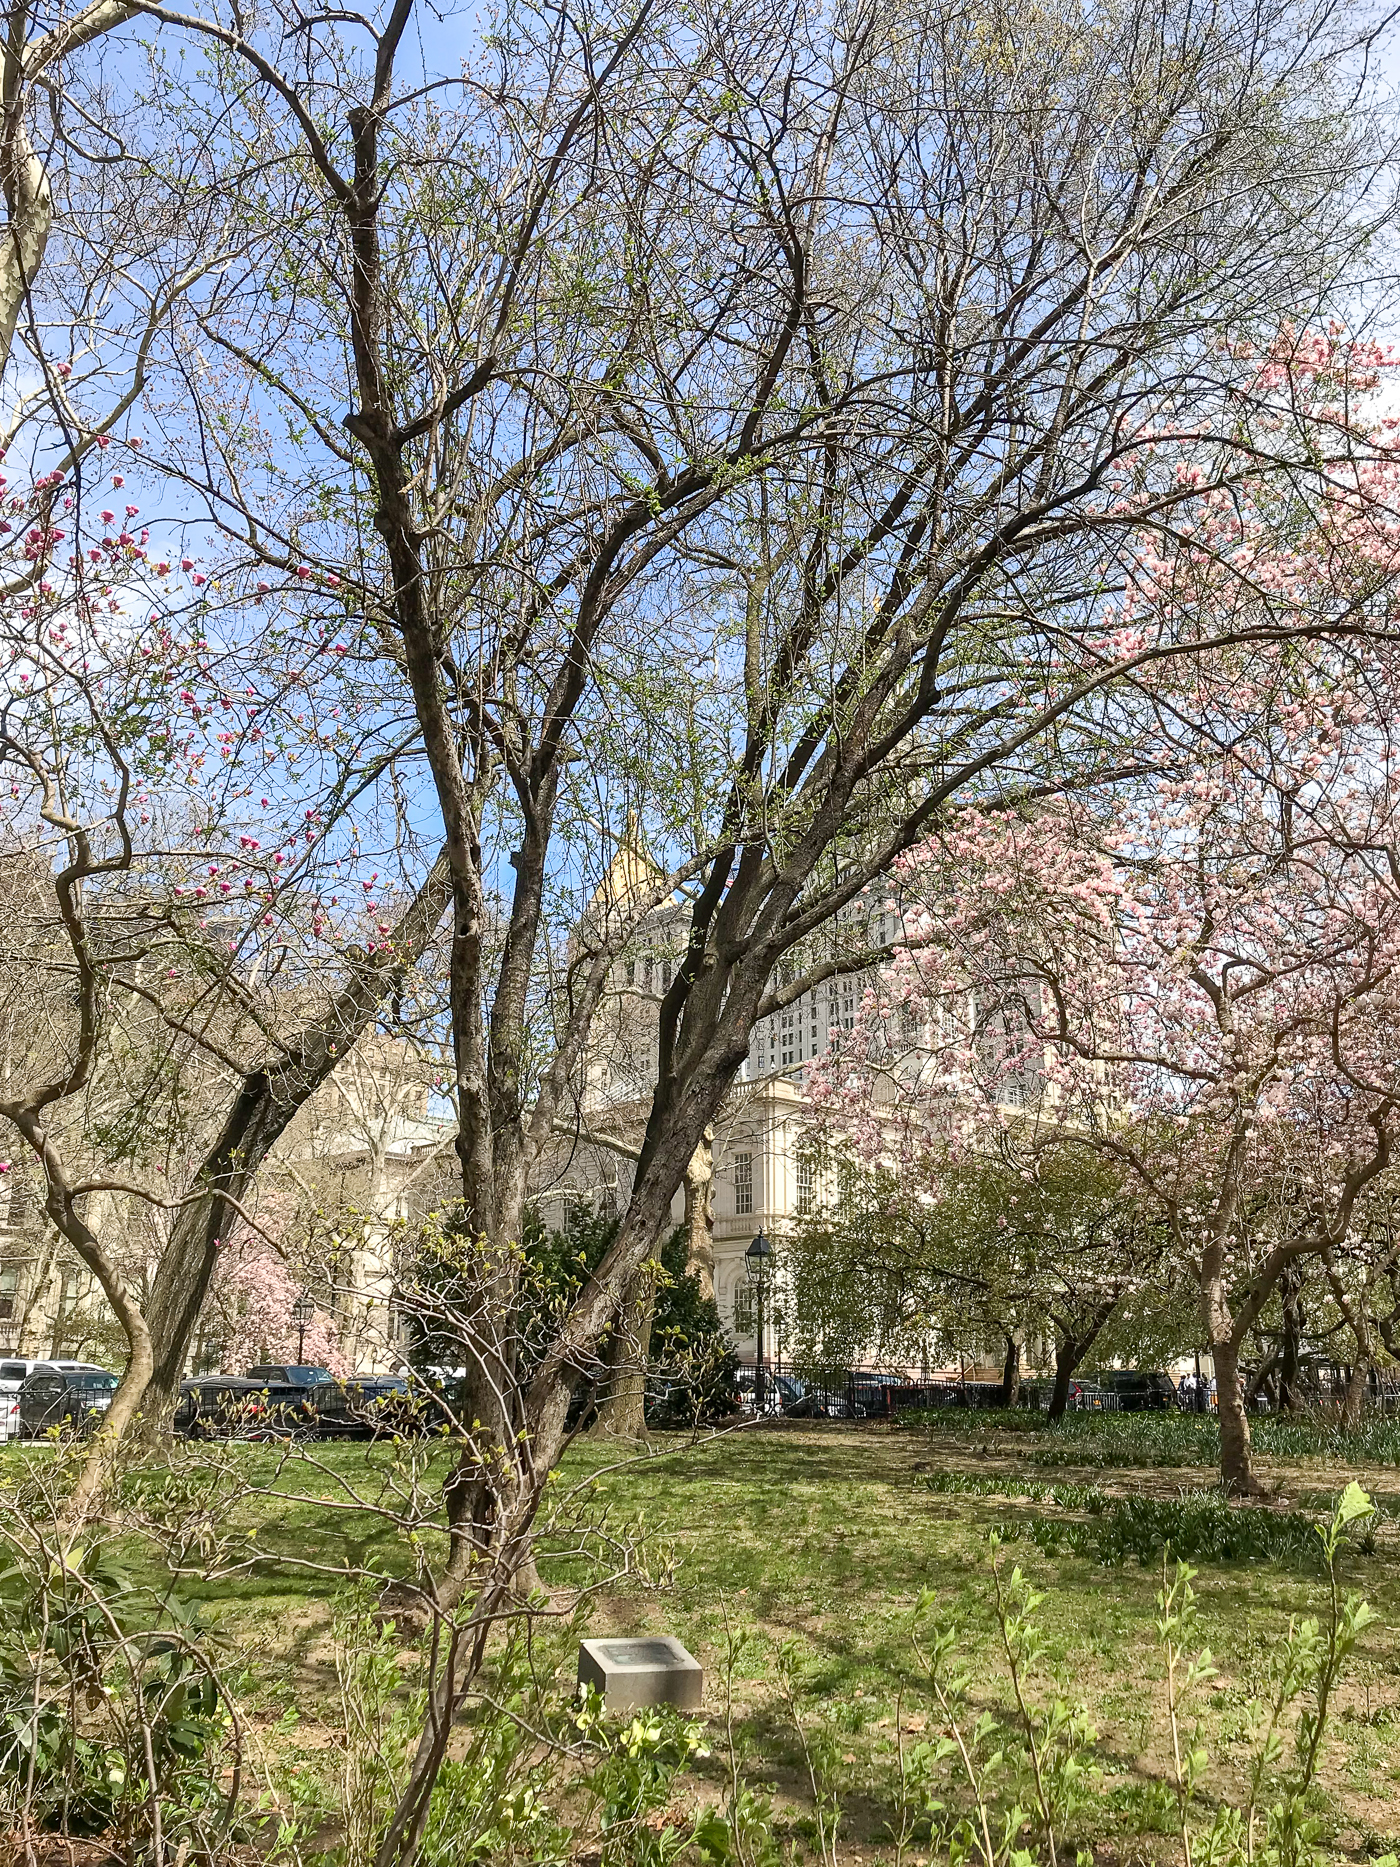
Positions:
{"x": 632, "y": 1674}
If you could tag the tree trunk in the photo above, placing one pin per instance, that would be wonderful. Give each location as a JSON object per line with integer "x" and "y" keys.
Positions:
{"x": 1262, "y": 1375}
{"x": 1070, "y": 1350}
{"x": 1356, "y": 1312}
{"x": 1236, "y": 1462}
{"x": 622, "y": 1412}
{"x": 1011, "y": 1373}
{"x": 267, "y": 1102}
{"x": 97, "y": 1469}
{"x": 1066, "y": 1361}
{"x": 187, "y": 1264}
{"x": 1354, "y": 1402}
{"x": 1290, "y": 1396}
{"x": 700, "y": 1213}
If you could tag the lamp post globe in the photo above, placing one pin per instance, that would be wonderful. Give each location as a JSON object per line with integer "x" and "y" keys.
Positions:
{"x": 756, "y": 1266}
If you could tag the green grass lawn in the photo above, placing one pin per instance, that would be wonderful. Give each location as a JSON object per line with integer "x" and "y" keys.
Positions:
{"x": 823, "y": 1538}
{"x": 814, "y": 1542}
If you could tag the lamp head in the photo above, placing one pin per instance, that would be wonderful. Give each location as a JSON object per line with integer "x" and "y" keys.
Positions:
{"x": 757, "y": 1256}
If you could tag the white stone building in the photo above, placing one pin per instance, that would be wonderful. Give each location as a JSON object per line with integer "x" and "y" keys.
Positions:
{"x": 762, "y": 1178}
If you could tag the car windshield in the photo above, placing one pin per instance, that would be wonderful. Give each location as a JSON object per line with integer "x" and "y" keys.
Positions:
{"x": 103, "y": 1383}
{"x": 306, "y": 1376}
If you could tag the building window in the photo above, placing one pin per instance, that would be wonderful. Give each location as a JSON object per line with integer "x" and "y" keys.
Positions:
{"x": 607, "y": 1206}
{"x": 806, "y": 1186}
{"x": 8, "y": 1281}
{"x": 745, "y": 1321}
{"x": 743, "y": 1183}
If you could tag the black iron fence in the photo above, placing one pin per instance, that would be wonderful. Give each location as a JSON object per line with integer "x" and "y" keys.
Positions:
{"x": 870, "y": 1393}
{"x": 873, "y": 1393}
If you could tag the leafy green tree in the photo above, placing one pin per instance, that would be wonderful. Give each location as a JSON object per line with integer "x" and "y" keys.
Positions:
{"x": 994, "y": 1255}
{"x": 687, "y": 1365}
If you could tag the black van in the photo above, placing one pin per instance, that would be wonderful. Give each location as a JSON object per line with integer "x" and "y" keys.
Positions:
{"x": 236, "y": 1406}
{"x": 1139, "y": 1391}
{"x": 372, "y": 1406}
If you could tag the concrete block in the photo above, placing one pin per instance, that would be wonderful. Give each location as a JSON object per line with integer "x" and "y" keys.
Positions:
{"x": 632, "y": 1674}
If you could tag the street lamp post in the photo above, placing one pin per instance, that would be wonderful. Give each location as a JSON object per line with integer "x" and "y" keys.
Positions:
{"x": 302, "y": 1311}
{"x": 756, "y": 1260}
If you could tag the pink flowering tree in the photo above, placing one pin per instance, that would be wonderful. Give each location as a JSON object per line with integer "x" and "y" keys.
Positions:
{"x": 1198, "y": 977}
{"x": 1208, "y": 999}
{"x": 255, "y": 1296}
{"x": 197, "y": 930}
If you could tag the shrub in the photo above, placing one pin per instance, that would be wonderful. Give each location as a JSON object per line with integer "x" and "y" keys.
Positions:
{"x": 113, "y": 1719}
{"x": 990, "y": 1782}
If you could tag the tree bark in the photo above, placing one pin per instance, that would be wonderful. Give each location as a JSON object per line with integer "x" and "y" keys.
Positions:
{"x": 1066, "y": 1361}
{"x": 1236, "y": 1460}
{"x": 1290, "y": 1395}
{"x": 1354, "y": 1402}
{"x": 1011, "y": 1373}
{"x": 1224, "y": 1334}
{"x": 700, "y": 1213}
{"x": 1356, "y": 1313}
{"x": 267, "y": 1102}
{"x": 1260, "y": 1379}
{"x": 622, "y": 1413}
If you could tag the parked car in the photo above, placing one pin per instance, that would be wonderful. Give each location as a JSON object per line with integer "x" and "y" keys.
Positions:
{"x": 779, "y": 1390}
{"x": 372, "y": 1406}
{"x": 240, "y": 1406}
{"x": 289, "y": 1374}
{"x": 1138, "y": 1390}
{"x": 15, "y": 1370}
{"x": 71, "y": 1394}
{"x": 13, "y": 1374}
{"x": 815, "y": 1404}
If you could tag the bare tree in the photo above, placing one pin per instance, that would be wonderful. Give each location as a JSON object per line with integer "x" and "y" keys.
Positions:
{"x": 726, "y": 423}
{"x": 760, "y": 400}
{"x": 31, "y": 63}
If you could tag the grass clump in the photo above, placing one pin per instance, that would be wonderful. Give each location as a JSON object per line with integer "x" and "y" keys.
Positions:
{"x": 1131, "y": 1439}
{"x": 1066, "y": 1495}
{"x": 971, "y": 1422}
{"x": 1203, "y": 1527}
{"x": 1376, "y": 1441}
{"x": 1164, "y": 1439}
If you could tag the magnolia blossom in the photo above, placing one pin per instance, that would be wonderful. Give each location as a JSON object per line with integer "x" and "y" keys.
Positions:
{"x": 1210, "y": 994}
{"x": 258, "y": 1296}
{"x": 1198, "y": 970}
